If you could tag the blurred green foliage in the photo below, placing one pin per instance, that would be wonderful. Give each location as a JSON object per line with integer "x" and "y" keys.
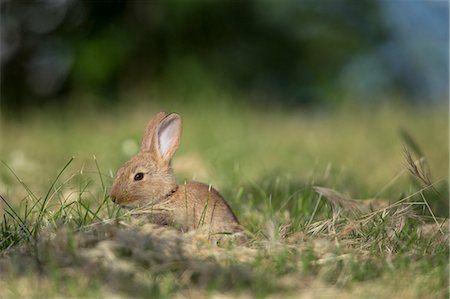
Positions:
{"x": 295, "y": 52}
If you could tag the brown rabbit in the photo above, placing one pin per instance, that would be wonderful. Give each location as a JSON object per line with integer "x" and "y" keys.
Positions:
{"x": 147, "y": 184}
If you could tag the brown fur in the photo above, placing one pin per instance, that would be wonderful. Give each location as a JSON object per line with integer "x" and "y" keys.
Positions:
{"x": 188, "y": 206}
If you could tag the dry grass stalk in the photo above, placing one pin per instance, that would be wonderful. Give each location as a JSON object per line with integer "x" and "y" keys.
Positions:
{"x": 340, "y": 202}
{"x": 418, "y": 168}
{"x": 355, "y": 222}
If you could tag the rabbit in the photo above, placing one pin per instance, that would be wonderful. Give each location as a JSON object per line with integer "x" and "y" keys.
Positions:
{"x": 146, "y": 185}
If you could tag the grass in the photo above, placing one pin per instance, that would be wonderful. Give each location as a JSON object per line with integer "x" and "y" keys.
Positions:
{"x": 342, "y": 203}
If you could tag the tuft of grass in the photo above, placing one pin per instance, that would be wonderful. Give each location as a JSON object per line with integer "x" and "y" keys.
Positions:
{"x": 24, "y": 222}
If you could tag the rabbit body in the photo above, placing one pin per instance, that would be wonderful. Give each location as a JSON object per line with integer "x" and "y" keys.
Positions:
{"x": 147, "y": 185}
{"x": 195, "y": 205}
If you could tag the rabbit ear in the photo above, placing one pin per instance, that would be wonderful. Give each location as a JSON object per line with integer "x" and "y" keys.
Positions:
{"x": 150, "y": 130}
{"x": 167, "y": 137}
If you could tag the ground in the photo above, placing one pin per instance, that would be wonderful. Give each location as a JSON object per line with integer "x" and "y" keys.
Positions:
{"x": 344, "y": 203}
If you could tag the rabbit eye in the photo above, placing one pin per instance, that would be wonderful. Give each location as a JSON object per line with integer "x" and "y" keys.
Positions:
{"x": 138, "y": 176}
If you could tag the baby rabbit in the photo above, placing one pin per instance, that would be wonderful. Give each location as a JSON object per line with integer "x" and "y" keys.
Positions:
{"x": 146, "y": 184}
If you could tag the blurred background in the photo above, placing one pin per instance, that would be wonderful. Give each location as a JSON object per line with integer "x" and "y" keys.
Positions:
{"x": 73, "y": 53}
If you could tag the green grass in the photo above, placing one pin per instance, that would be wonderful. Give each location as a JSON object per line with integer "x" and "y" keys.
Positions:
{"x": 376, "y": 228}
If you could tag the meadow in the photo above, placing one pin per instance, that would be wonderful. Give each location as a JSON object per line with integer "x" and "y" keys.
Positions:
{"x": 349, "y": 202}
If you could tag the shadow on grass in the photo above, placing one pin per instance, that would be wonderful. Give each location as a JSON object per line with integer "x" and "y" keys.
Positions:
{"x": 138, "y": 261}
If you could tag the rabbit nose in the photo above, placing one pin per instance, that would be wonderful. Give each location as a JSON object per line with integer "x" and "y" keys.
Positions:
{"x": 113, "y": 198}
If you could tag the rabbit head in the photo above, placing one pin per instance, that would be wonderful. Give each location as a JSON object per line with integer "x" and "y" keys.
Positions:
{"x": 147, "y": 176}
